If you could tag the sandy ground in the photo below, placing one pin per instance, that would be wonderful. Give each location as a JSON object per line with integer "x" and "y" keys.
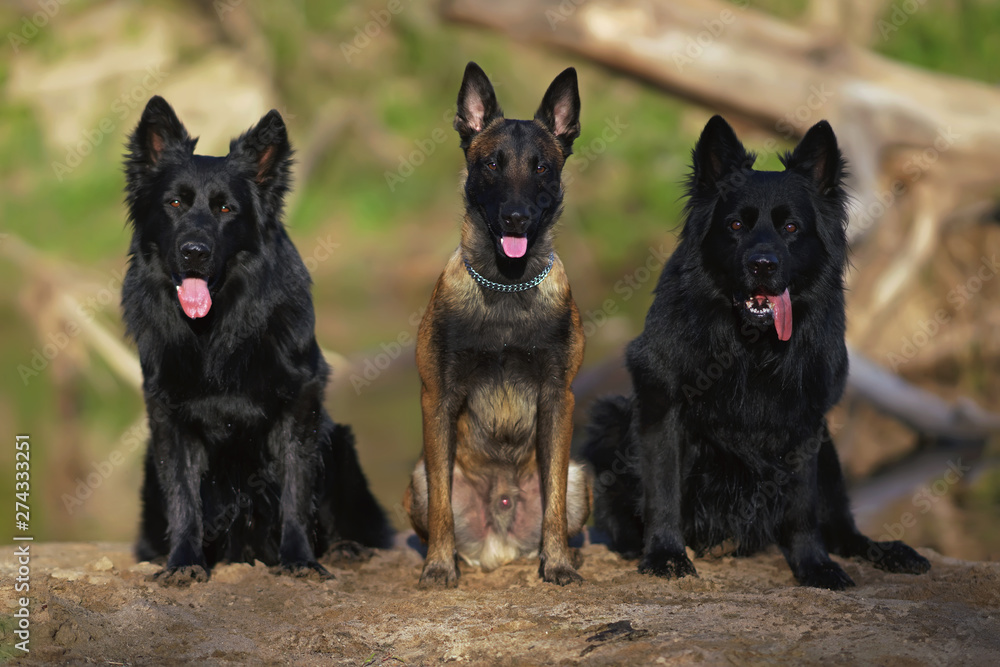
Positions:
{"x": 92, "y": 604}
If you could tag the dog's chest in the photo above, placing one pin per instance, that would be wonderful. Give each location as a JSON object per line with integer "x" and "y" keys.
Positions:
{"x": 515, "y": 344}
{"x": 502, "y": 365}
{"x": 235, "y": 403}
{"x": 501, "y": 368}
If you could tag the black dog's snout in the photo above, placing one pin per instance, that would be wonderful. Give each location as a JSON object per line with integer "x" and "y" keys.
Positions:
{"x": 763, "y": 265}
{"x": 196, "y": 252}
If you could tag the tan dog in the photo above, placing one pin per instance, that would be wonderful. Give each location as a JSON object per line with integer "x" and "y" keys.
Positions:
{"x": 497, "y": 350}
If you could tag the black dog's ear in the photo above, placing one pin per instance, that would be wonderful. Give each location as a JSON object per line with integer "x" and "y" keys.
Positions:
{"x": 266, "y": 149}
{"x": 159, "y": 131}
{"x": 477, "y": 104}
{"x": 560, "y": 109}
{"x": 818, "y": 158}
{"x": 717, "y": 154}
{"x": 266, "y": 154}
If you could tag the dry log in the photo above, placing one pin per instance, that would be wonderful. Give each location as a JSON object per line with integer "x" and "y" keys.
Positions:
{"x": 920, "y": 410}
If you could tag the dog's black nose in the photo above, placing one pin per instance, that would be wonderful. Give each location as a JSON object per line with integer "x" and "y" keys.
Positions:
{"x": 515, "y": 220}
{"x": 763, "y": 265}
{"x": 193, "y": 251}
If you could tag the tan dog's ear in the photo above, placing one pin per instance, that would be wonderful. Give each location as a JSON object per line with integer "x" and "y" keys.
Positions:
{"x": 477, "y": 104}
{"x": 560, "y": 109}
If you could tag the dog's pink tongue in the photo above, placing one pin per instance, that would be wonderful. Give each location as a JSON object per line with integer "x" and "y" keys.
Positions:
{"x": 194, "y": 297}
{"x": 783, "y": 315}
{"x": 514, "y": 246}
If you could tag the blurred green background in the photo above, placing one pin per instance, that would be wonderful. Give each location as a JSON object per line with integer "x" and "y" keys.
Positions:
{"x": 375, "y": 211}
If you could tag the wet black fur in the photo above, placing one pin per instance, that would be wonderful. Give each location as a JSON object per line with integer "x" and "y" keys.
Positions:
{"x": 243, "y": 462}
{"x": 724, "y": 439}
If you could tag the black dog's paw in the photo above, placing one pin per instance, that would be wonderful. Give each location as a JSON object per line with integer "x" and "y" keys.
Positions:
{"x": 667, "y": 565}
{"x": 439, "y": 574}
{"x": 348, "y": 551}
{"x": 827, "y": 575}
{"x": 181, "y": 577}
{"x": 302, "y": 570}
{"x": 898, "y": 557}
{"x": 561, "y": 572}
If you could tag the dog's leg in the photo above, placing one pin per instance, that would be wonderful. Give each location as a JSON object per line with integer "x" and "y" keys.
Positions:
{"x": 295, "y": 443}
{"x": 841, "y": 535}
{"x": 441, "y": 565}
{"x": 180, "y": 466}
{"x": 799, "y": 533}
{"x": 555, "y": 430}
{"x": 657, "y": 428}
{"x": 154, "y": 532}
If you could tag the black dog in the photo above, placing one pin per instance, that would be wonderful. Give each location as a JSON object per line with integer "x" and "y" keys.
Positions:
{"x": 497, "y": 351}
{"x": 742, "y": 355}
{"x": 243, "y": 463}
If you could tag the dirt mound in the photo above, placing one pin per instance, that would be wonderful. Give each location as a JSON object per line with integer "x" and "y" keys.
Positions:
{"x": 91, "y": 603}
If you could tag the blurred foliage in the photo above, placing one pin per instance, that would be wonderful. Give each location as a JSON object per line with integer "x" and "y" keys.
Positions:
{"x": 957, "y": 37}
{"x": 625, "y": 196}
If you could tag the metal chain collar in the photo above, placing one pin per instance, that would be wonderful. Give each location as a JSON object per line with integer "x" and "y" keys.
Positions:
{"x": 519, "y": 287}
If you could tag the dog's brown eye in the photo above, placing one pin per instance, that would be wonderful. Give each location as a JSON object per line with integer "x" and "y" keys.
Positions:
{"x": 541, "y": 169}
{"x": 736, "y": 225}
{"x": 224, "y": 209}
{"x": 791, "y": 227}
{"x": 492, "y": 165}
{"x": 176, "y": 203}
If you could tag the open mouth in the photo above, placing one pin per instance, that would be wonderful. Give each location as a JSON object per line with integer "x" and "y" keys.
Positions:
{"x": 514, "y": 246}
{"x": 776, "y": 309}
{"x": 194, "y": 297}
{"x": 760, "y": 305}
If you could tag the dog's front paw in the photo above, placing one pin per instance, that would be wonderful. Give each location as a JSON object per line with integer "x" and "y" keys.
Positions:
{"x": 180, "y": 577}
{"x": 439, "y": 574}
{"x": 559, "y": 572}
{"x": 302, "y": 570}
{"x": 824, "y": 575}
{"x": 898, "y": 557}
{"x": 561, "y": 575}
{"x": 667, "y": 565}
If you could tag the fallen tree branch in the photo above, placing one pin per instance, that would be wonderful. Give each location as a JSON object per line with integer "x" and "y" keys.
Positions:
{"x": 920, "y": 410}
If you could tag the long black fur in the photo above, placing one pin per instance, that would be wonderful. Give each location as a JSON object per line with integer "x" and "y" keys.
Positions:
{"x": 243, "y": 462}
{"x": 724, "y": 440}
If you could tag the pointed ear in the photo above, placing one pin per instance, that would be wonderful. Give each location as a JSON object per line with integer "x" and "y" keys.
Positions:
{"x": 477, "y": 104}
{"x": 717, "y": 154}
{"x": 560, "y": 109}
{"x": 266, "y": 155}
{"x": 265, "y": 149}
{"x": 159, "y": 131}
{"x": 818, "y": 158}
